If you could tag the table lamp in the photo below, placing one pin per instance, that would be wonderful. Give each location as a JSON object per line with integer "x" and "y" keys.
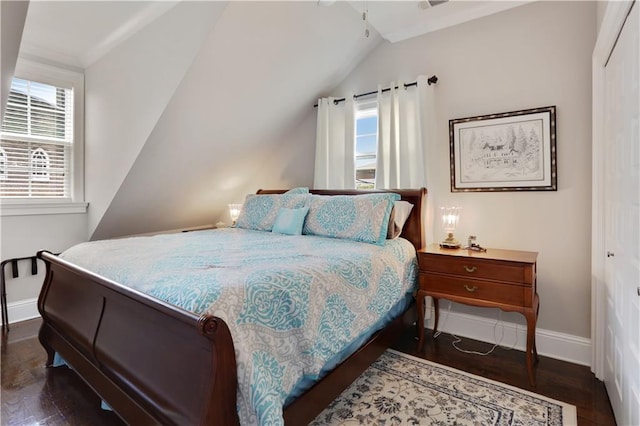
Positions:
{"x": 450, "y": 217}
{"x": 234, "y": 212}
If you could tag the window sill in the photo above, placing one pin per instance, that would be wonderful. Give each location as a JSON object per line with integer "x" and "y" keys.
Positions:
{"x": 38, "y": 208}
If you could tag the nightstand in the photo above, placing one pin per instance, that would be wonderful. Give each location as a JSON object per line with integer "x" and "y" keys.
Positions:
{"x": 504, "y": 279}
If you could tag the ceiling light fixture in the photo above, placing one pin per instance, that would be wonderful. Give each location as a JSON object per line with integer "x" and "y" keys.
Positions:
{"x": 426, "y": 4}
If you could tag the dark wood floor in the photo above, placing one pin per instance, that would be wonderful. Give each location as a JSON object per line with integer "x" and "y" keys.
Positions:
{"x": 32, "y": 394}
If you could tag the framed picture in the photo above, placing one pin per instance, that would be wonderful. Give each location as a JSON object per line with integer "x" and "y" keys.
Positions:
{"x": 511, "y": 151}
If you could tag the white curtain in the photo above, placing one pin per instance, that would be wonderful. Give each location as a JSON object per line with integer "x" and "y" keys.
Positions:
{"x": 406, "y": 128}
{"x": 406, "y": 139}
{"x": 335, "y": 150}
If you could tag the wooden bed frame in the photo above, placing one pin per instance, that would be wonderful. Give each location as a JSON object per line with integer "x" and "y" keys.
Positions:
{"x": 155, "y": 363}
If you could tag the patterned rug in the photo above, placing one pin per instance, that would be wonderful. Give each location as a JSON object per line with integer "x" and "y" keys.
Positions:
{"x": 399, "y": 389}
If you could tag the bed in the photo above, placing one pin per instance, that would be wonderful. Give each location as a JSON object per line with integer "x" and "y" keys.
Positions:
{"x": 153, "y": 362}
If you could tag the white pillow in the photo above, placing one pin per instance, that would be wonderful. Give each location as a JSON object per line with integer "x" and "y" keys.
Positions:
{"x": 399, "y": 215}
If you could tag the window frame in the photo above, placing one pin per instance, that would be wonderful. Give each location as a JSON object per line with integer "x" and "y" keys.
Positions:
{"x": 32, "y": 70}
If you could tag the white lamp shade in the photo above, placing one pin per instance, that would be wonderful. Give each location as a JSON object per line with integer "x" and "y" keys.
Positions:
{"x": 450, "y": 217}
{"x": 234, "y": 212}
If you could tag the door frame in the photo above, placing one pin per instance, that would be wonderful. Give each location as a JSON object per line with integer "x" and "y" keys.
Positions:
{"x": 612, "y": 23}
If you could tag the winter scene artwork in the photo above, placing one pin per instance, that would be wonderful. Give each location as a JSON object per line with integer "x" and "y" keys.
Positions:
{"x": 504, "y": 152}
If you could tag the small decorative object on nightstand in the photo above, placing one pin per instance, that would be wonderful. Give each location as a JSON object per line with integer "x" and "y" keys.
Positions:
{"x": 472, "y": 245}
{"x": 450, "y": 217}
{"x": 494, "y": 278}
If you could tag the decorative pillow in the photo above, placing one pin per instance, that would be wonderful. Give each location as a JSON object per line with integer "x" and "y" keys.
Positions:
{"x": 399, "y": 215}
{"x": 362, "y": 218}
{"x": 260, "y": 210}
{"x": 299, "y": 190}
{"x": 290, "y": 221}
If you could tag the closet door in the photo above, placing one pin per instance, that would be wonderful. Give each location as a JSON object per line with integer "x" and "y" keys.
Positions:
{"x": 622, "y": 224}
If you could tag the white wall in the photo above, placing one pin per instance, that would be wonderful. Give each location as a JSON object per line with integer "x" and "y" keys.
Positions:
{"x": 23, "y": 236}
{"x": 601, "y": 8}
{"x": 531, "y": 56}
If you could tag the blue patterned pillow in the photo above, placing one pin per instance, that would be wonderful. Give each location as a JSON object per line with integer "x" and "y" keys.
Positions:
{"x": 290, "y": 221}
{"x": 362, "y": 218}
{"x": 299, "y": 190}
{"x": 260, "y": 210}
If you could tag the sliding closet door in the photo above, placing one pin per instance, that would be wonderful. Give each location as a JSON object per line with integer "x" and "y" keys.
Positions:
{"x": 622, "y": 224}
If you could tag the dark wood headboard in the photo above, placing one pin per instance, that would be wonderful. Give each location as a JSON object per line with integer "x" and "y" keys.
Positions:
{"x": 413, "y": 228}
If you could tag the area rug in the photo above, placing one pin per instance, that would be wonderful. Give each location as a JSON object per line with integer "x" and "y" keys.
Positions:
{"x": 399, "y": 389}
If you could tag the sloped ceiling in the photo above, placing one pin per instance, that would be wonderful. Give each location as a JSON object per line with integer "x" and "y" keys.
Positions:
{"x": 192, "y": 105}
{"x": 401, "y": 20}
{"x": 12, "y": 17}
{"x": 77, "y": 33}
{"x": 220, "y": 135}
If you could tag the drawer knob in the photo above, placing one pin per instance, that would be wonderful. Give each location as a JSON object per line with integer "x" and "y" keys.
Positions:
{"x": 472, "y": 269}
{"x": 470, "y": 289}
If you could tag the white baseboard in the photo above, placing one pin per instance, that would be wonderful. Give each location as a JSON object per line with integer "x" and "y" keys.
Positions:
{"x": 22, "y": 310}
{"x": 556, "y": 345}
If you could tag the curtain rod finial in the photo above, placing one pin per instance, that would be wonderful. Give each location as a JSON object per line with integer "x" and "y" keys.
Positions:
{"x": 432, "y": 80}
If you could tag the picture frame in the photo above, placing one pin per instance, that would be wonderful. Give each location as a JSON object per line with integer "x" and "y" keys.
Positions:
{"x": 510, "y": 151}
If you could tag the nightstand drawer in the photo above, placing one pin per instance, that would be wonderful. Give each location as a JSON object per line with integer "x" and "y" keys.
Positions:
{"x": 453, "y": 287}
{"x": 473, "y": 268}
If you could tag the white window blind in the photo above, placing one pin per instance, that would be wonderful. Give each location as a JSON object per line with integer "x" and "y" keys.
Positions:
{"x": 37, "y": 141}
{"x": 3, "y": 164}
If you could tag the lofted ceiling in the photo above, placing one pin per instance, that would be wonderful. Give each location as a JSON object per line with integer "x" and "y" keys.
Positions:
{"x": 200, "y": 69}
{"x": 78, "y": 33}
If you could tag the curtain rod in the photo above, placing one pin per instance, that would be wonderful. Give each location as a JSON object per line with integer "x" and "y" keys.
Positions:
{"x": 431, "y": 80}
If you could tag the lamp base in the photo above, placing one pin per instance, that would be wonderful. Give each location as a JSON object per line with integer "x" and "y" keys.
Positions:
{"x": 450, "y": 242}
{"x": 450, "y": 246}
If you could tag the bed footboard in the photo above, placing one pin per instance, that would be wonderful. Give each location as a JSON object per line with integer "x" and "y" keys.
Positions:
{"x": 151, "y": 362}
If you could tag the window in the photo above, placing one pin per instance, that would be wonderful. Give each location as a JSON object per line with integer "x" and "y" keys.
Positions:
{"x": 41, "y": 142}
{"x": 366, "y": 144}
{"x": 37, "y": 135}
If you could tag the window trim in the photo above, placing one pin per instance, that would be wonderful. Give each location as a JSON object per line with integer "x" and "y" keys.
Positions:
{"x": 27, "y": 207}
{"x": 29, "y": 69}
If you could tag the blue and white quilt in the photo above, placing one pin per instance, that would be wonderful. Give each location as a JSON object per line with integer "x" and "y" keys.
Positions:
{"x": 294, "y": 304}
